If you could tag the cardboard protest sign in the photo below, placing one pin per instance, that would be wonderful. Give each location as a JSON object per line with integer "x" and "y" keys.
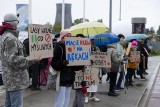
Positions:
{"x": 135, "y": 56}
{"x": 40, "y": 41}
{"x": 78, "y": 51}
{"x": 90, "y": 76}
{"x": 101, "y": 59}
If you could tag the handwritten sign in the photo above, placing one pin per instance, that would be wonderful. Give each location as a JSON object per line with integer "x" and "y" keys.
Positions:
{"x": 90, "y": 76}
{"x": 78, "y": 51}
{"x": 101, "y": 59}
{"x": 135, "y": 56}
{"x": 40, "y": 41}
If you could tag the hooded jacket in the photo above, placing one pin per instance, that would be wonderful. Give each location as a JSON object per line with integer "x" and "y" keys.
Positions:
{"x": 14, "y": 64}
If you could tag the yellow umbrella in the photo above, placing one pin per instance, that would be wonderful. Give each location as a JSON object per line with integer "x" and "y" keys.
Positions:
{"x": 89, "y": 28}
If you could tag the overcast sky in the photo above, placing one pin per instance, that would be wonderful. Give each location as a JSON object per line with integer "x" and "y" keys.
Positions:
{"x": 44, "y": 11}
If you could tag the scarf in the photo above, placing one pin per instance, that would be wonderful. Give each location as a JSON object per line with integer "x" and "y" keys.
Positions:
{"x": 5, "y": 26}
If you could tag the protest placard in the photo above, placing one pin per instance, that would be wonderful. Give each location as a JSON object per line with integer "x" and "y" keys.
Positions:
{"x": 78, "y": 51}
{"x": 90, "y": 76}
{"x": 40, "y": 41}
{"x": 101, "y": 59}
{"x": 135, "y": 56}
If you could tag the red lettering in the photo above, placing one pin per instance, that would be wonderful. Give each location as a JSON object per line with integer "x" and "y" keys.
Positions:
{"x": 84, "y": 42}
{"x": 102, "y": 57}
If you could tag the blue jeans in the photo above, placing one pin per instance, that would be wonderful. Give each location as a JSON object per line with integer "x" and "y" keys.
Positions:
{"x": 14, "y": 98}
{"x": 62, "y": 97}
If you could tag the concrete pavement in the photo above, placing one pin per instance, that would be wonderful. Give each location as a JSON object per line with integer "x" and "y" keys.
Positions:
{"x": 134, "y": 95}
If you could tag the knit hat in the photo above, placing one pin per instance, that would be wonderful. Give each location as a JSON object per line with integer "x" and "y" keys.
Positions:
{"x": 134, "y": 43}
{"x": 11, "y": 19}
{"x": 64, "y": 32}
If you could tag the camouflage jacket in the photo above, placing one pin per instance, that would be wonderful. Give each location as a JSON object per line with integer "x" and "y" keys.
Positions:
{"x": 14, "y": 64}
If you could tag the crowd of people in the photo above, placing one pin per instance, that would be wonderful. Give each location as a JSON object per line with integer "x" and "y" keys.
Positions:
{"x": 16, "y": 65}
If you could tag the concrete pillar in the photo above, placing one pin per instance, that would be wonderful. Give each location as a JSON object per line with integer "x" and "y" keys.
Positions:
{"x": 138, "y": 25}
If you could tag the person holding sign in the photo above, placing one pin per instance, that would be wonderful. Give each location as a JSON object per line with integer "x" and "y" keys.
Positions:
{"x": 91, "y": 91}
{"x": 116, "y": 59}
{"x": 14, "y": 63}
{"x": 60, "y": 63}
{"x": 120, "y": 49}
{"x": 133, "y": 62}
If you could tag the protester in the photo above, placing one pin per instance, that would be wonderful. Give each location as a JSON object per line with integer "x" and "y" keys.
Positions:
{"x": 116, "y": 59}
{"x": 91, "y": 91}
{"x": 62, "y": 96}
{"x": 14, "y": 64}
{"x": 79, "y": 99}
{"x": 142, "y": 66}
{"x": 131, "y": 66}
{"x": 121, "y": 51}
{"x": 33, "y": 69}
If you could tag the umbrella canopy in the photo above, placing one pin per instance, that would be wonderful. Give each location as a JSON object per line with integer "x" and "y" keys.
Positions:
{"x": 105, "y": 38}
{"x": 135, "y": 36}
{"x": 89, "y": 28}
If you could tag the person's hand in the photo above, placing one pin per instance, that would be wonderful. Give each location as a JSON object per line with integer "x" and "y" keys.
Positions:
{"x": 65, "y": 62}
{"x": 38, "y": 58}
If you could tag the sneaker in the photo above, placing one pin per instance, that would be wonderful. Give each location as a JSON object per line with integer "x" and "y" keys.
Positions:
{"x": 143, "y": 79}
{"x": 86, "y": 99}
{"x": 145, "y": 73}
{"x": 112, "y": 94}
{"x": 117, "y": 89}
{"x": 95, "y": 99}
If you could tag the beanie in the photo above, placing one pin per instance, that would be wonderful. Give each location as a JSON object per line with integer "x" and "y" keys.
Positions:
{"x": 64, "y": 32}
{"x": 11, "y": 19}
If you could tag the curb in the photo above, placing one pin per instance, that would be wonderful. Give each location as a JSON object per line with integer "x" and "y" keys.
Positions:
{"x": 145, "y": 98}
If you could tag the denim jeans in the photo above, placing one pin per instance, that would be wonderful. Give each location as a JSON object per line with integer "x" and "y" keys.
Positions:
{"x": 14, "y": 98}
{"x": 79, "y": 99}
{"x": 62, "y": 97}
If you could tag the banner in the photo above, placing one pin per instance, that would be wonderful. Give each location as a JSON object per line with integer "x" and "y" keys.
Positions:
{"x": 101, "y": 59}
{"x": 135, "y": 56}
{"x": 40, "y": 41}
{"x": 22, "y": 13}
{"x": 90, "y": 76}
{"x": 78, "y": 51}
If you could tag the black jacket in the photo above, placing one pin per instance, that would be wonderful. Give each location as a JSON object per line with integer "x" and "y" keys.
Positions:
{"x": 67, "y": 72}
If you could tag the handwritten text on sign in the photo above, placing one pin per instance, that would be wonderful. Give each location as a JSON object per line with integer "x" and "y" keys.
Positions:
{"x": 135, "y": 56}
{"x": 40, "y": 41}
{"x": 78, "y": 51}
{"x": 90, "y": 76}
{"x": 101, "y": 59}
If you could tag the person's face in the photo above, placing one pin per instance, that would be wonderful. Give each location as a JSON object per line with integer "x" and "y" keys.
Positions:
{"x": 63, "y": 38}
{"x": 92, "y": 42}
{"x": 122, "y": 39}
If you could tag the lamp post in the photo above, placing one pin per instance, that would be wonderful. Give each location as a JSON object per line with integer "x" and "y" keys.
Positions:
{"x": 110, "y": 17}
{"x": 84, "y": 10}
{"x": 30, "y": 12}
{"x": 63, "y": 11}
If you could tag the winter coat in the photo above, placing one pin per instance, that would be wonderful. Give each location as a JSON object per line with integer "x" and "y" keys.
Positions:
{"x": 14, "y": 64}
{"x": 66, "y": 72}
{"x": 116, "y": 58}
{"x": 132, "y": 65}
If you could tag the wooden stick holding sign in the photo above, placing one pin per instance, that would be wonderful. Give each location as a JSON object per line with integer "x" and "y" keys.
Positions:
{"x": 40, "y": 41}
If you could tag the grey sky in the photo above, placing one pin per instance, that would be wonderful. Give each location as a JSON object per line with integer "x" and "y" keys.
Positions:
{"x": 44, "y": 11}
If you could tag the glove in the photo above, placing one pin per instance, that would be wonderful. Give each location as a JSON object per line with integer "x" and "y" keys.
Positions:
{"x": 65, "y": 62}
{"x": 83, "y": 70}
{"x": 84, "y": 88}
{"x": 91, "y": 62}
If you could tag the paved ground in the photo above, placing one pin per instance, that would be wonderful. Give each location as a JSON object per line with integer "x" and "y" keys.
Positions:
{"x": 133, "y": 97}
